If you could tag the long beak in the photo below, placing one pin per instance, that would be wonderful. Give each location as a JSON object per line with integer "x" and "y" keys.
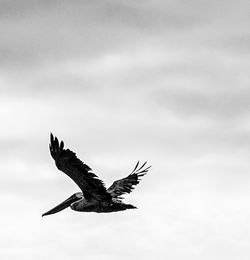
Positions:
{"x": 62, "y": 205}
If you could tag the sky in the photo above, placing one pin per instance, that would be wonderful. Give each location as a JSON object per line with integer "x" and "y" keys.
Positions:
{"x": 121, "y": 81}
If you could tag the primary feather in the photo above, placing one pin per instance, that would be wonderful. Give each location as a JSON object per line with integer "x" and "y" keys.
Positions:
{"x": 126, "y": 185}
{"x": 66, "y": 161}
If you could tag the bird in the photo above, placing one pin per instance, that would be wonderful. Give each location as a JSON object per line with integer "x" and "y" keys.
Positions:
{"x": 94, "y": 196}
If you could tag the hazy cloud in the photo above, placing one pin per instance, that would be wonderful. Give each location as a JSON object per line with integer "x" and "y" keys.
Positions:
{"x": 163, "y": 81}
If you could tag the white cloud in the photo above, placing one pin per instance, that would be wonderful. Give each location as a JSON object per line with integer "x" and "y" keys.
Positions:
{"x": 165, "y": 82}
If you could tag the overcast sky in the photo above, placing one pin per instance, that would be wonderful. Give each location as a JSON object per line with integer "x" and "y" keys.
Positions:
{"x": 121, "y": 81}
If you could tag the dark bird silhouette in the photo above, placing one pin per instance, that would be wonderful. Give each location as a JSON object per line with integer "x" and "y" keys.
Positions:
{"x": 94, "y": 197}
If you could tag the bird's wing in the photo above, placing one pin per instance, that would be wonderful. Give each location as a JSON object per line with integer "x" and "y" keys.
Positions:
{"x": 79, "y": 172}
{"x": 126, "y": 185}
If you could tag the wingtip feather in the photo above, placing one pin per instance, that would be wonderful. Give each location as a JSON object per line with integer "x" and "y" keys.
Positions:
{"x": 61, "y": 145}
{"x": 141, "y": 166}
{"x": 135, "y": 167}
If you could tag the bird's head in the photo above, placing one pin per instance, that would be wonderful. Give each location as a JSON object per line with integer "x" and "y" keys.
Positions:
{"x": 75, "y": 197}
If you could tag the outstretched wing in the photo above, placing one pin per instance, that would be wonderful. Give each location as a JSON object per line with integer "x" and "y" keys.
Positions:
{"x": 79, "y": 172}
{"x": 126, "y": 185}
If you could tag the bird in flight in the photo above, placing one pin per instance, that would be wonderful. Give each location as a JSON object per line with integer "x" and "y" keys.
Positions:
{"x": 94, "y": 197}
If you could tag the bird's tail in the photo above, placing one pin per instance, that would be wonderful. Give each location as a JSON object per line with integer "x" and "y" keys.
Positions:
{"x": 129, "y": 206}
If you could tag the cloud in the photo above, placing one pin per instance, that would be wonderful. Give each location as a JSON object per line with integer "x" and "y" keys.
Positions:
{"x": 121, "y": 81}
{"x": 38, "y": 31}
{"x": 221, "y": 105}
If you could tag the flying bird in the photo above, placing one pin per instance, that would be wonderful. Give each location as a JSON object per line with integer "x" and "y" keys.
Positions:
{"x": 94, "y": 197}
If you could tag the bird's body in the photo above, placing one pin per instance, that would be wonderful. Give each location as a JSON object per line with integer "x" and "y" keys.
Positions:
{"x": 113, "y": 205}
{"x": 94, "y": 197}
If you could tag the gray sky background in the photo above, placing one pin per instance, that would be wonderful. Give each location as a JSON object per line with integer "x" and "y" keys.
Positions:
{"x": 118, "y": 81}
